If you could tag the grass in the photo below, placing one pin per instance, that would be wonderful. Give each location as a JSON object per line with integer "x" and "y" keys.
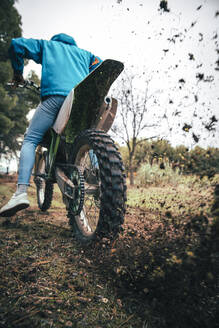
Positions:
{"x": 180, "y": 200}
{"x": 6, "y": 191}
{"x": 167, "y": 191}
{"x": 154, "y": 175}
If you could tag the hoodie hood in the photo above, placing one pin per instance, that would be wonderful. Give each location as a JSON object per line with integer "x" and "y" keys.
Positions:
{"x": 62, "y": 37}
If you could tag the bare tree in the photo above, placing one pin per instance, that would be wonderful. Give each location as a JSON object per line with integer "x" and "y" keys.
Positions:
{"x": 132, "y": 117}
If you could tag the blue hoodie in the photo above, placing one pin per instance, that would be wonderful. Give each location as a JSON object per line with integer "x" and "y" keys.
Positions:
{"x": 64, "y": 65}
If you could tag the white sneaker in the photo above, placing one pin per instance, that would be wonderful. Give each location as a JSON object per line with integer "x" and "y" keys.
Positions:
{"x": 16, "y": 203}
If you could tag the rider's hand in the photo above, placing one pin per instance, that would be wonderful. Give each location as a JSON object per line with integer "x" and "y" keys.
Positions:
{"x": 18, "y": 79}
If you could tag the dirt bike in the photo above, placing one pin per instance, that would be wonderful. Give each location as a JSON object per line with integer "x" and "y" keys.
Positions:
{"x": 79, "y": 155}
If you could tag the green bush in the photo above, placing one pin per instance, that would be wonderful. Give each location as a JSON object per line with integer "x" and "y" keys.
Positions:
{"x": 157, "y": 175}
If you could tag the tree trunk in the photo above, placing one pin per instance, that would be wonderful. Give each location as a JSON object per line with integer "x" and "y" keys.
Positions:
{"x": 131, "y": 171}
{"x": 131, "y": 177}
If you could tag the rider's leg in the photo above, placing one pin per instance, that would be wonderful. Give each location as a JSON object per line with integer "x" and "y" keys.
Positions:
{"x": 42, "y": 120}
{"x": 21, "y": 188}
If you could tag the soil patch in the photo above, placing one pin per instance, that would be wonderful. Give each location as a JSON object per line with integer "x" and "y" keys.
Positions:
{"x": 160, "y": 272}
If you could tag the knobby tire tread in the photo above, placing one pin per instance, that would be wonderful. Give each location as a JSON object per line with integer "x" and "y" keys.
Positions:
{"x": 47, "y": 197}
{"x": 113, "y": 185}
{"x": 48, "y": 194}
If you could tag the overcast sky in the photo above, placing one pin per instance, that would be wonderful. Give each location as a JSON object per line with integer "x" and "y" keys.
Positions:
{"x": 136, "y": 33}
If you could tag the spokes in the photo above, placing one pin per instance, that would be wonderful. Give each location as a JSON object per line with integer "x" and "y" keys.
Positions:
{"x": 41, "y": 191}
{"x": 84, "y": 221}
{"x": 90, "y": 212}
{"x": 40, "y": 181}
{"x": 88, "y": 163}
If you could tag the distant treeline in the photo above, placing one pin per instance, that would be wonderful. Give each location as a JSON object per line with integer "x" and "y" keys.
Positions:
{"x": 199, "y": 161}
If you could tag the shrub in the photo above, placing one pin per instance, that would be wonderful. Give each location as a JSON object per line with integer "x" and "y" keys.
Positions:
{"x": 157, "y": 175}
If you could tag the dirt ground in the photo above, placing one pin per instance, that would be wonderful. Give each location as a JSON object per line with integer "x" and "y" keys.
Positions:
{"x": 162, "y": 271}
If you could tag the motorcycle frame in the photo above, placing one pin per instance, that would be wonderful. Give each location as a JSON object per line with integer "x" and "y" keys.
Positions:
{"x": 104, "y": 119}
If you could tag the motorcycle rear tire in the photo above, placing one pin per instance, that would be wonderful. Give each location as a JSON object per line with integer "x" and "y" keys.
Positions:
{"x": 104, "y": 187}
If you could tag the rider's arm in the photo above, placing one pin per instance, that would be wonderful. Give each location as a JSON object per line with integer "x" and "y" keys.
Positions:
{"x": 94, "y": 62}
{"x": 21, "y": 48}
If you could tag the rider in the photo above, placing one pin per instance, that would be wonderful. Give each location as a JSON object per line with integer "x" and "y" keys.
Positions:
{"x": 64, "y": 65}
